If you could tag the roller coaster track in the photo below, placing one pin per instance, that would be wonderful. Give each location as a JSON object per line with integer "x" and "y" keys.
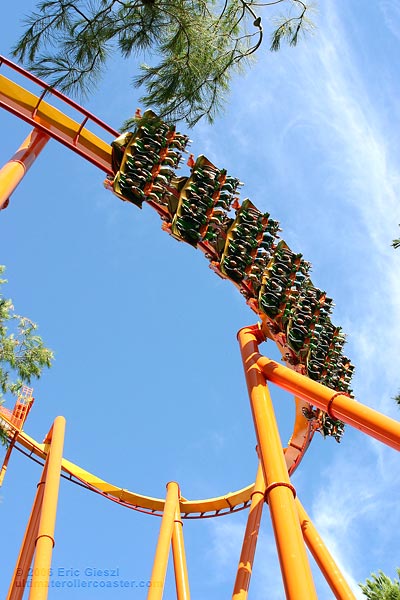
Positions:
{"x": 74, "y": 133}
{"x": 41, "y": 114}
{"x": 202, "y": 508}
{"x": 327, "y": 392}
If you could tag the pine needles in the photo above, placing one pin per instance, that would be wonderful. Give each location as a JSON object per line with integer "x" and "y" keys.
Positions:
{"x": 197, "y": 47}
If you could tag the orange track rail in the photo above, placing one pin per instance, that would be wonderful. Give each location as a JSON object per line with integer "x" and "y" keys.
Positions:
{"x": 41, "y": 114}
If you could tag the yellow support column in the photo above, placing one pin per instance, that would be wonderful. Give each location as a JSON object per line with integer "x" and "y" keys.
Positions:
{"x": 322, "y": 557}
{"x": 337, "y": 405}
{"x": 45, "y": 537}
{"x": 160, "y": 564}
{"x": 242, "y": 582}
{"x": 13, "y": 171}
{"x": 296, "y": 572}
{"x": 179, "y": 556}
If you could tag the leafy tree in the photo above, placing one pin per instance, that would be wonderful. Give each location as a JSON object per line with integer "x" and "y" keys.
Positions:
{"x": 22, "y": 352}
{"x": 381, "y": 587}
{"x": 197, "y": 45}
{"x": 397, "y": 398}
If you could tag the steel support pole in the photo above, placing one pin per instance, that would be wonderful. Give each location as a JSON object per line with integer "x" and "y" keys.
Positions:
{"x": 242, "y": 582}
{"x": 323, "y": 558}
{"x": 7, "y": 458}
{"x": 160, "y": 564}
{"x": 179, "y": 556}
{"x": 337, "y": 405}
{"x": 24, "y": 561}
{"x": 296, "y": 572}
{"x": 14, "y": 170}
{"x": 45, "y": 535}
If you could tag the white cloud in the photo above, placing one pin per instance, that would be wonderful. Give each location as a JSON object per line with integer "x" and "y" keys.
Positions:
{"x": 351, "y": 136}
{"x": 356, "y": 508}
{"x": 356, "y": 504}
{"x": 227, "y": 539}
{"x": 391, "y": 13}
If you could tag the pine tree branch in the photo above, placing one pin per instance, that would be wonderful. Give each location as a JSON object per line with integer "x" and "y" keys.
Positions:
{"x": 200, "y": 44}
{"x": 290, "y": 28}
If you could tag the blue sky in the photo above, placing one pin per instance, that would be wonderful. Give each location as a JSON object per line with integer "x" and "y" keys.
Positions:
{"x": 147, "y": 370}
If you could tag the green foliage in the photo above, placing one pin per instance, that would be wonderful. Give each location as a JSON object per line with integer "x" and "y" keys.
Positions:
{"x": 199, "y": 46}
{"x": 3, "y": 438}
{"x": 290, "y": 26}
{"x": 22, "y": 353}
{"x": 397, "y": 398}
{"x": 381, "y": 587}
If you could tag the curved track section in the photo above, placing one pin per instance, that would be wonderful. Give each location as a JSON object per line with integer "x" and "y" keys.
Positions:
{"x": 39, "y": 110}
{"x": 194, "y": 509}
{"x": 203, "y": 508}
{"x": 76, "y": 135}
